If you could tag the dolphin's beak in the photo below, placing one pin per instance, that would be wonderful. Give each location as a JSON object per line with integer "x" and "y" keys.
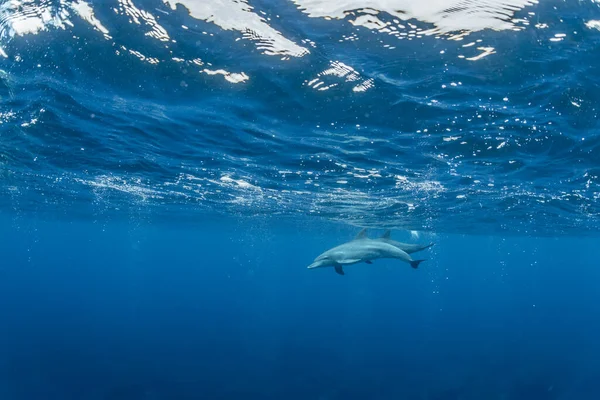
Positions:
{"x": 316, "y": 264}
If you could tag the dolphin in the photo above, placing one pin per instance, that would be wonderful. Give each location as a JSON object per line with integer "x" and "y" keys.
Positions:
{"x": 407, "y": 247}
{"x": 361, "y": 249}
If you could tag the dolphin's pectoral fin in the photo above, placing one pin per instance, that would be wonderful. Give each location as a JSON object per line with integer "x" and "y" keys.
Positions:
{"x": 339, "y": 269}
{"x": 362, "y": 234}
{"x": 386, "y": 234}
{"x": 369, "y": 262}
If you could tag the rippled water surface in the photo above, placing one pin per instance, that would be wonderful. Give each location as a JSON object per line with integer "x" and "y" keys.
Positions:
{"x": 446, "y": 116}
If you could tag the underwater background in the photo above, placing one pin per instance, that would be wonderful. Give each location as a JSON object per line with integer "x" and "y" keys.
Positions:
{"x": 168, "y": 170}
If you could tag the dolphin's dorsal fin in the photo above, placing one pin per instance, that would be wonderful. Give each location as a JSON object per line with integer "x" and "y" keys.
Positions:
{"x": 386, "y": 234}
{"x": 362, "y": 234}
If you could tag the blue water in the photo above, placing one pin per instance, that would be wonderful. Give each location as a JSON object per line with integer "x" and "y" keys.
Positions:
{"x": 168, "y": 170}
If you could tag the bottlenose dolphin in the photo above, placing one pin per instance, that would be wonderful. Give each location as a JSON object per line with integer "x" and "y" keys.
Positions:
{"x": 361, "y": 249}
{"x": 407, "y": 247}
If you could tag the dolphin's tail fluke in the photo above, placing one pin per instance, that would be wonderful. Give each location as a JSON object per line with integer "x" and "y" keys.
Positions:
{"x": 415, "y": 263}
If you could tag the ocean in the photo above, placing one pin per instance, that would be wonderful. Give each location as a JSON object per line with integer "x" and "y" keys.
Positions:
{"x": 170, "y": 168}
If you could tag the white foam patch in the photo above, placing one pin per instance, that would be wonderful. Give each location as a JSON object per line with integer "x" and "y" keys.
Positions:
{"x": 446, "y": 15}
{"x": 29, "y": 17}
{"x": 485, "y": 51}
{"x": 364, "y": 86}
{"x": 232, "y": 77}
{"x": 238, "y": 15}
{"x": 339, "y": 71}
{"x": 139, "y": 16}
{"x": 427, "y": 186}
{"x": 593, "y": 24}
{"x": 23, "y": 17}
{"x": 151, "y": 60}
{"x": 239, "y": 182}
{"x": 133, "y": 187}
{"x": 87, "y": 14}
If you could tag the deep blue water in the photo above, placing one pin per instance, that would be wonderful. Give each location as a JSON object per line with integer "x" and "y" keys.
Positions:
{"x": 168, "y": 170}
